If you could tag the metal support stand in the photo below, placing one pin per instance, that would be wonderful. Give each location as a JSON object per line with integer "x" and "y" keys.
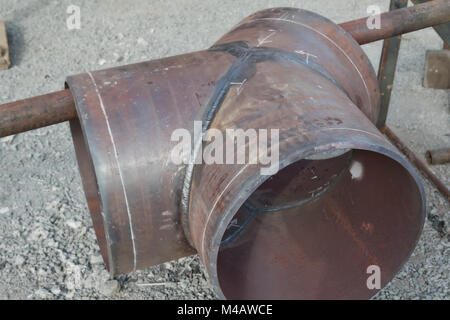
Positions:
{"x": 386, "y": 73}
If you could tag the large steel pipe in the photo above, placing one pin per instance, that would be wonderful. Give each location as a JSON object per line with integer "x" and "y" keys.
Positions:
{"x": 344, "y": 199}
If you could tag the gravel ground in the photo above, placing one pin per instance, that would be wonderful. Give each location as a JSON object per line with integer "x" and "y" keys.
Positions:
{"x": 47, "y": 244}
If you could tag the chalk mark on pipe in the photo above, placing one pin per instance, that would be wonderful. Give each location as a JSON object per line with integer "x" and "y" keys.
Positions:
{"x": 116, "y": 156}
{"x": 329, "y": 39}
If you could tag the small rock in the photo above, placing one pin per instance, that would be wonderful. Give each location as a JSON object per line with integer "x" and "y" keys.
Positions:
{"x": 4, "y": 210}
{"x": 69, "y": 295}
{"x": 56, "y": 291}
{"x": 101, "y": 62}
{"x": 109, "y": 287}
{"x": 8, "y": 140}
{"x": 166, "y": 266}
{"x": 19, "y": 260}
{"x": 52, "y": 205}
{"x": 142, "y": 42}
{"x": 51, "y": 243}
{"x": 37, "y": 234}
{"x": 42, "y": 293}
{"x": 41, "y": 272}
{"x": 96, "y": 259}
{"x": 73, "y": 224}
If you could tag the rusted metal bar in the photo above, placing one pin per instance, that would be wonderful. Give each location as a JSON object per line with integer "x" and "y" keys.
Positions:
{"x": 438, "y": 156}
{"x": 53, "y": 108}
{"x": 37, "y": 112}
{"x": 388, "y": 64}
{"x": 417, "y": 162}
{"x": 401, "y": 21}
{"x": 443, "y": 30}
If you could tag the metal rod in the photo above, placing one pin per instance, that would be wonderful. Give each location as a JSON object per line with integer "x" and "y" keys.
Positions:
{"x": 53, "y": 108}
{"x": 438, "y": 156}
{"x": 388, "y": 64}
{"x": 443, "y": 30}
{"x": 417, "y": 162}
{"x": 37, "y": 112}
{"x": 400, "y": 21}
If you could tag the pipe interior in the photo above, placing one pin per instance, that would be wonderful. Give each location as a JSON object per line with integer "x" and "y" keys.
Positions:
{"x": 312, "y": 230}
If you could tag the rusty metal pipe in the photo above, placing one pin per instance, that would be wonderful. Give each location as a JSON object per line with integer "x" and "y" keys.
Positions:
{"x": 438, "y": 156}
{"x": 417, "y": 162}
{"x": 36, "y": 112}
{"x": 400, "y": 21}
{"x": 317, "y": 224}
{"x": 53, "y": 108}
{"x": 443, "y": 30}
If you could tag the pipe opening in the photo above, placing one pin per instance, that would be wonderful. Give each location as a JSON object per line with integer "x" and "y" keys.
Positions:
{"x": 313, "y": 229}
